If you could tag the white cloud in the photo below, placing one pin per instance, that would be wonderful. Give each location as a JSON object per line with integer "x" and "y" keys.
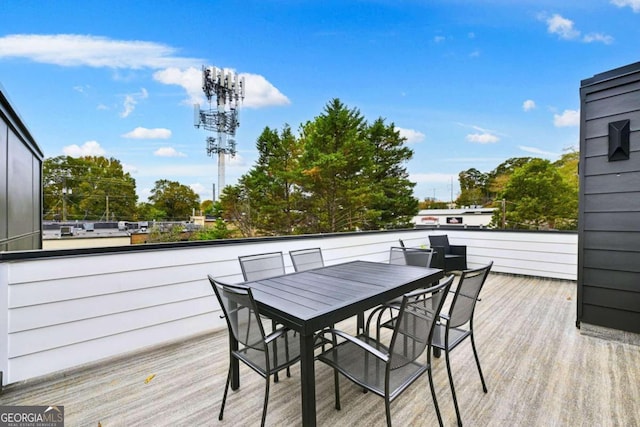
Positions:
{"x": 168, "y": 152}
{"x": 563, "y": 27}
{"x": 190, "y": 79}
{"x": 144, "y": 133}
{"x": 633, "y": 4}
{"x": 199, "y": 189}
{"x": 260, "y": 93}
{"x": 528, "y": 105}
{"x": 131, "y": 100}
{"x": 69, "y": 50}
{"x": 538, "y": 151}
{"x": 482, "y": 138}
{"x": 597, "y": 37}
{"x": 81, "y": 89}
{"x": 439, "y": 39}
{"x": 89, "y": 148}
{"x": 474, "y": 54}
{"x": 413, "y": 136}
{"x": 567, "y": 118}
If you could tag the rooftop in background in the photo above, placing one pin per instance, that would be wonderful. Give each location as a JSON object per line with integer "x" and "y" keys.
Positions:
{"x": 473, "y": 216}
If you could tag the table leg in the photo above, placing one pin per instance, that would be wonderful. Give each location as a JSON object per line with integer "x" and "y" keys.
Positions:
{"x": 308, "y": 380}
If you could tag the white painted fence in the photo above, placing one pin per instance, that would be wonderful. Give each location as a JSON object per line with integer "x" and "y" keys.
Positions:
{"x": 67, "y": 308}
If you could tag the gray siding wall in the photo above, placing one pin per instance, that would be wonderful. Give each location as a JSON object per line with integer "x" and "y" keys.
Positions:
{"x": 20, "y": 183}
{"x": 609, "y": 231}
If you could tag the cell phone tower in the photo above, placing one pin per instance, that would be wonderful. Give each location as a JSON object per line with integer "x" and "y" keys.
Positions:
{"x": 228, "y": 89}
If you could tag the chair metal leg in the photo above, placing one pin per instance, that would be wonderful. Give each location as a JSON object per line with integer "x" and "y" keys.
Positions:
{"x": 336, "y": 387}
{"x": 266, "y": 401}
{"x": 433, "y": 390}
{"x": 453, "y": 390}
{"x": 387, "y": 408}
{"x": 475, "y": 353}
{"x": 224, "y": 396}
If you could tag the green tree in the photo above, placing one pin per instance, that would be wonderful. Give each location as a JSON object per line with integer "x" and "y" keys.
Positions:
{"x": 393, "y": 204}
{"x": 473, "y": 188}
{"x": 431, "y": 203}
{"x": 336, "y": 157}
{"x": 218, "y": 231}
{"x": 498, "y": 178}
{"x": 236, "y": 208}
{"x": 272, "y": 184}
{"x": 89, "y": 188}
{"x": 207, "y": 207}
{"x": 145, "y": 211}
{"x": 176, "y": 200}
{"x": 537, "y": 197}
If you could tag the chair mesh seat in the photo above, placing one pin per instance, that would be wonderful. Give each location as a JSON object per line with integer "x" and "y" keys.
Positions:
{"x": 455, "y": 336}
{"x": 364, "y": 368}
{"x": 283, "y": 352}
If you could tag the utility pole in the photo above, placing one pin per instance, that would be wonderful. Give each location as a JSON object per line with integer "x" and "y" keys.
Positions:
{"x": 504, "y": 214}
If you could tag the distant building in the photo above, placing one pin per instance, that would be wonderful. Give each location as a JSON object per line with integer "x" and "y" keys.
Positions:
{"x": 21, "y": 182}
{"x": 71, "y": 235}
{"x": 464, "y": 217}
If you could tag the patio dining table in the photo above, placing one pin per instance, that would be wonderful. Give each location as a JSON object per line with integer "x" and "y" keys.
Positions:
{"x": 311, "y": 300}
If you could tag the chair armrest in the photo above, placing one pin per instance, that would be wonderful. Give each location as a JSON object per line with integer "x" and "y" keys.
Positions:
{"x": 458, "y": 250}
{"x": 366, "y": 347}
{"x": 275, "y": 334}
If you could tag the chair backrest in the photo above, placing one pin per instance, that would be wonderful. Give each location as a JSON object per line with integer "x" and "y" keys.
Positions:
{"x": 262, "y": 266}
{"x": 306, "y": 259}
{"x": 466, "y": 295}
{"x": 440, "y": 240}
{"x": 410, "y": 256}
{"x": 241, "y": 313}
{"x": 415, "y": 323}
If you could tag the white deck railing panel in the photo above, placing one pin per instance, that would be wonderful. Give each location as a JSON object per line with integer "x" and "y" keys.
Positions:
{"x": 69, "y": 310}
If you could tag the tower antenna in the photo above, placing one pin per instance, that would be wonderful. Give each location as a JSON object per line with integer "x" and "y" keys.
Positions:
{"x": 228, "y": 89}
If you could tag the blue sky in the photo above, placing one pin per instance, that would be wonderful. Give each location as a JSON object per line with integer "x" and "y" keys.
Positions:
{"x": 470, "y": 83}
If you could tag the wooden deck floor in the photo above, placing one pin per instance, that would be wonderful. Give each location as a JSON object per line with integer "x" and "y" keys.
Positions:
{"x": 539, "y": 369}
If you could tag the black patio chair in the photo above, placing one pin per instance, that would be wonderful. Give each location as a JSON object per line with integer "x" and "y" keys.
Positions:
{"x": 261, "y": 266}
{"x": 457, "y": 324}
{"x": 389, "y": 370}
{"x": 306, "y": 259}
{"x": 448, "y": 257}
{"x": 257, "y": 350}
{"x": 417, "y": 257}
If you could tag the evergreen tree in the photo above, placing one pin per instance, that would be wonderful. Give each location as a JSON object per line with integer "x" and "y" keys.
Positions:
{"x": 393, "y": 204}
{"x": 335, "y": 159}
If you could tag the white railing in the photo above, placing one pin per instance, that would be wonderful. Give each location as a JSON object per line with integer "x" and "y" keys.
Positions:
{"x": 68, "y": 308}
